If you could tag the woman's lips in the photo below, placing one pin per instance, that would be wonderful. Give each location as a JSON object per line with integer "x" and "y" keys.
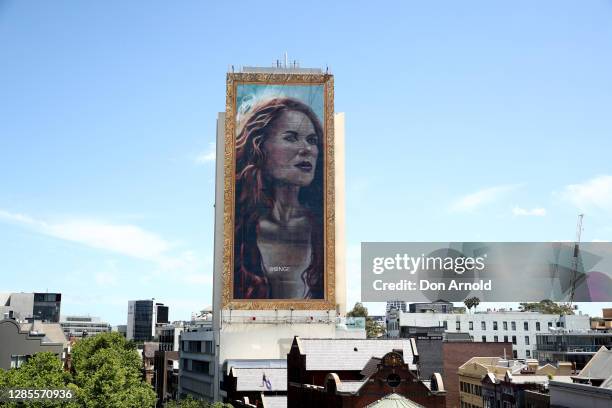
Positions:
{"x": 304, "y": 166}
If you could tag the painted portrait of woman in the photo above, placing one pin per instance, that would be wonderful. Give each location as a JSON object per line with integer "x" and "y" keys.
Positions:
{"x": 278, "y": 226}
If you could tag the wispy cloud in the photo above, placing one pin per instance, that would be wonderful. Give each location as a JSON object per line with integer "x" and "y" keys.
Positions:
{"x": 124, "y": 239}
{"x": 534, "y": 212}
{"x": 478, "y": 199}
{"x": 593, "y": 193}
{"x": 208, "y": 156}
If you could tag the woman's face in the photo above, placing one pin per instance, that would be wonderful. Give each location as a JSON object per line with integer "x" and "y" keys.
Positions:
{"x": 291, "y": 149}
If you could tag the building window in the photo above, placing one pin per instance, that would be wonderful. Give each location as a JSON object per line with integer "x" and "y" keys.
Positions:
{"x": 445, "y": 324}
{"x": 471, "y": 325}
{"x": 505, "y": 339}
{"x": 458, "y": 325}
{"x": 513, "y": 325}
{"x": 505, "y": 325}
{"x": 550, "y": 324}
{"x": 526, "y": 325}
{"x": 527, "y": 340}
{"x": 18, "y": 360}
{"x": 528, "y": 353}
{"x": 513, "y": 339}
{"x": 495, "y": 339}
{"x": 483, "y": 325}
{"x": 514, "y": 354}
{"x": 484, "y": 339}
{"x": 494, "y": 325}
{"x": 538, "y": 326}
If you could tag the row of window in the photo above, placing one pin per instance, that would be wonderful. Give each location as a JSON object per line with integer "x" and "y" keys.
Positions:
{"x": 483, "y": 325}
{"x": 196, "y": 346}
{"x": 470, "y": 388}
{"x": 496, "y": 339}
{"x": 467, "y": 405}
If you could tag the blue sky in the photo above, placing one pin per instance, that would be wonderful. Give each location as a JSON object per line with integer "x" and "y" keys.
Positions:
{"x": 476, "y": 120}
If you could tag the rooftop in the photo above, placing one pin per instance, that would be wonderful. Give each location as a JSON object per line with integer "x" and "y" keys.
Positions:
{"x": 351, "y": 354}
{"x": 260, "y": 379}
{"x": 394, "y": 401}
{"x": 274, "y": 401}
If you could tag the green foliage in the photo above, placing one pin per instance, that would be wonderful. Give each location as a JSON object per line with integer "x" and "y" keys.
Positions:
{"x": 107, "y": 370}
{"x": 189, "y": 402}
{"x": 42, "y": 371}
{"x": 472, "y": 302}
{"x": 547, "y": 306}
{"x": 359, "y": 310}
{"x": 373, "y": 329}
{"x": 106, "y": 373}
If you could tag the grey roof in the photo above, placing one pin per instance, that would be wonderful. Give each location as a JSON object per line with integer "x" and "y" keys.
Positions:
{"x": 450, "y": 337}
{"x": 394, "y": 401}
{"x": 350, "y": 354}
{"x": 251, "y": 379}
{"x": 600, "y": 365}
{"x": 253, "y": 363}
{"x": 350, "y": 386}
{"x": 274, "y": 401}
{"x": 371, "y": 367}
{"x": 530, "y": 379}
{"x": 53, "y": 331}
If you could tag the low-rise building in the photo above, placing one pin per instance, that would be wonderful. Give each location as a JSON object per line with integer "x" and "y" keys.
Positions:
{"x": 31, "y": 306}
{"x": 591, "y": 388}
{"x": 19, "y": 342}
{"x": 82, "y": 326}
{"x": 439, "y": 306}
{"x": 576, "y": 347}
{"x": 166, "y": 375}
{"x": 492, "y": 382}
{"x": 357, "y": 372}
{"x": 169, "y": 335}
{"x": 197, "y": 371}
{"x": 603, "y": 324}
{"x": 518, "y": 328}
{"x": 251, "y": 381}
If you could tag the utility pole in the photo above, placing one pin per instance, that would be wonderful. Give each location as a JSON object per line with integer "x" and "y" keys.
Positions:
{"x": 575, "y": 259}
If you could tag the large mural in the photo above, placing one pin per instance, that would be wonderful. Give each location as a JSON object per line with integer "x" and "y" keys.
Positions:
{"x": 278, "y": 141}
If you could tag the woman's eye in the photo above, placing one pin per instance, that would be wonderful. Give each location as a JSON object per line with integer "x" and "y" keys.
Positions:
{"x": 312, "y": 140}
{"x": 290, "y": 138}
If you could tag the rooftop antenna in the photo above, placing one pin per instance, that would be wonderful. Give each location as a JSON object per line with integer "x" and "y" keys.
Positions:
{"x": 575, "y": 258}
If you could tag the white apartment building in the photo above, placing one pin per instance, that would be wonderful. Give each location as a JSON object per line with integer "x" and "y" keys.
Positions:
{"x": 76, "y": 326}
{"x": 519, "y": 328}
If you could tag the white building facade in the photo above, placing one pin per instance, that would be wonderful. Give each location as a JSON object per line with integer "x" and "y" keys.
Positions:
{"x": 78, "y": 326}
{"x": 519, "y": 328}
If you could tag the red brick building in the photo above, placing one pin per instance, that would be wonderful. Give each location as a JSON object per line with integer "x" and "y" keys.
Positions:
{"x": 352, "y": 373}
{"x": 455, "y": 354}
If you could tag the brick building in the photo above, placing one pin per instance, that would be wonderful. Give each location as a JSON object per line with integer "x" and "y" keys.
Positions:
{"x": 356, "y": 372}
{"x": 455, "y": 354}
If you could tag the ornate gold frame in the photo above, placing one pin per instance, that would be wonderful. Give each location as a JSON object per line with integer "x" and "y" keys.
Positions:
{"x": 233, "y": 80}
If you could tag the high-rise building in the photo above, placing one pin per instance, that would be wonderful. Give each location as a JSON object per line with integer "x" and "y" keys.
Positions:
{"x": 256, "y": 314}
{"x": 143, "y": 316}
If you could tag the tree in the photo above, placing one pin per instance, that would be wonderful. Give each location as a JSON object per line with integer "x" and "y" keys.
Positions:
{"x": 472, "y": 302}
{"x": 42, "y": 371}
{"x": 373, "y": 329}
{"x": 547, "y": 306}
{"x": 189, "y": 402}
{"x": 107, "y": 372}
